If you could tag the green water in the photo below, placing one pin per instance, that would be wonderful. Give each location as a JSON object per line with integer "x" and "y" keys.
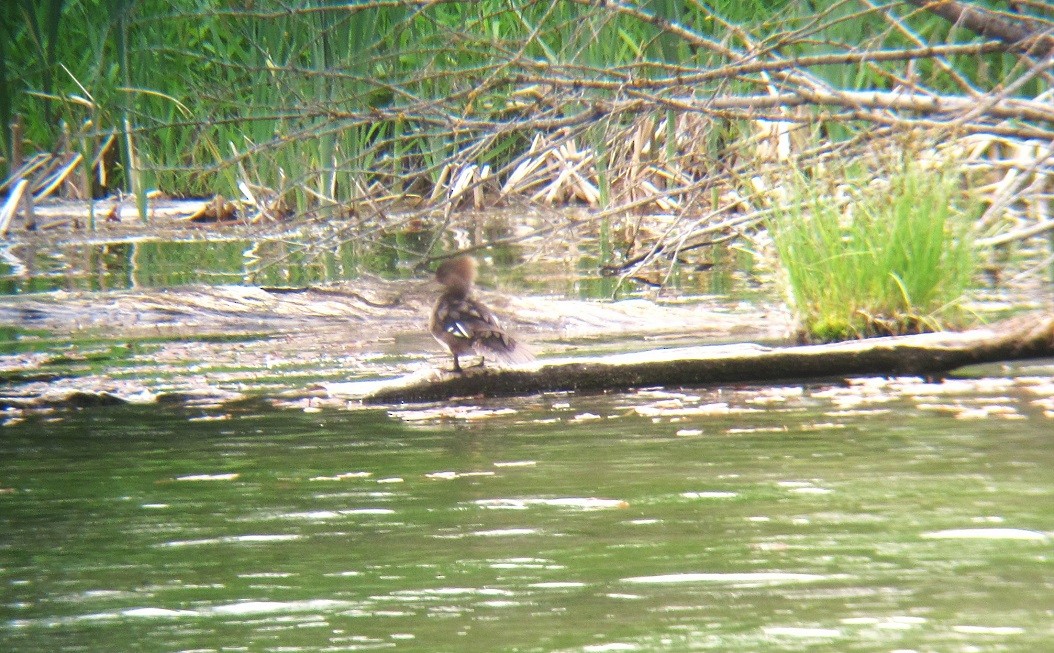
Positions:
{"x": 775, "y": 521}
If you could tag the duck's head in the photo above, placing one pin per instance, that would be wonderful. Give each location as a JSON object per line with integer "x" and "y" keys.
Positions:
{"x": 457, "y": 272}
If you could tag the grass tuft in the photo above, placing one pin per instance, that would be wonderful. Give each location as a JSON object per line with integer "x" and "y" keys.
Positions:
{"x": 884, "y": 257}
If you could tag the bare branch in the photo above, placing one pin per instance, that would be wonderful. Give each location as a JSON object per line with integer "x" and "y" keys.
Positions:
{"x": 1018, "y": 35}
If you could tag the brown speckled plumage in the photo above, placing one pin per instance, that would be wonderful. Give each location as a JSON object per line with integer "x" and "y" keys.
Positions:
{"x": 465, "y": 325}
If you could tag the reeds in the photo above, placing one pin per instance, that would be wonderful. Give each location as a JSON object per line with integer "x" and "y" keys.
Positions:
{"x": 327, "y": 104}
{"x": 656, "y": 114}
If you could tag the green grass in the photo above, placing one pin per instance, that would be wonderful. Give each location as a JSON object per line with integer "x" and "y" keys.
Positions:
{"x": 894, "y": 257}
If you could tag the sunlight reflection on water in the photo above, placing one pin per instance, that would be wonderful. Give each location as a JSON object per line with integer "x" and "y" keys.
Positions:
{"x": 765, "y": 530}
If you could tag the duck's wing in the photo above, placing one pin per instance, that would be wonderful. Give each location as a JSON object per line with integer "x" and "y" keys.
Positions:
{"x": 470, "y": 321}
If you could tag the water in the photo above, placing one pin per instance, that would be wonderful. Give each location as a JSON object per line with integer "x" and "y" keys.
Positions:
{"x": 145, "y": 262}
{"x": 874, "y": 516}
{"x": 313, "y": 256}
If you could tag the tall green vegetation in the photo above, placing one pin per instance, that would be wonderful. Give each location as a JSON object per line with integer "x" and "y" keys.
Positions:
{"x": 325, "y": 100}
{"x": 876, "y": 252}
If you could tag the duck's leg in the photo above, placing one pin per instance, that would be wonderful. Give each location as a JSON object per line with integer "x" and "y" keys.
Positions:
{"x": 457, "y": 365}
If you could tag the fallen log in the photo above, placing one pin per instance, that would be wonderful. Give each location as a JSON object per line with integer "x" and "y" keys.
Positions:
{"x": 1026, "y": 336}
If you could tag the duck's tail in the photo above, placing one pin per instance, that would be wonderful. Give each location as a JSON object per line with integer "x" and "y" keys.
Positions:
{"x": 504, "y": 349}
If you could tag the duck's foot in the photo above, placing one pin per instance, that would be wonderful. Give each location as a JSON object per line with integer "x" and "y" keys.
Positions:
{"x": 463, "y": 369}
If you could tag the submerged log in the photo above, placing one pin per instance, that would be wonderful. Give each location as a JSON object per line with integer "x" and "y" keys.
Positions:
{"x": 1027, "y": 336}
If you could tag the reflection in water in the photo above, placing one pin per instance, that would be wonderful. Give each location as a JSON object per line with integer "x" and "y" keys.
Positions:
{"x": 319, "y": 256}
{"x": 152, "y": 263}
{"x": 792, "y": 519}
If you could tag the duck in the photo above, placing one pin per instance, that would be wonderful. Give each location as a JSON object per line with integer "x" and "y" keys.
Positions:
{"x": 464, "y": 325}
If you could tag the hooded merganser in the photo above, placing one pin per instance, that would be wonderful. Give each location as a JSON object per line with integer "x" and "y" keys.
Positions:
{"x": 463, "y": 324}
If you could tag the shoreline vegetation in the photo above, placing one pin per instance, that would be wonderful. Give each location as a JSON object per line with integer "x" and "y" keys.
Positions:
{"x": 677, "y": 128}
